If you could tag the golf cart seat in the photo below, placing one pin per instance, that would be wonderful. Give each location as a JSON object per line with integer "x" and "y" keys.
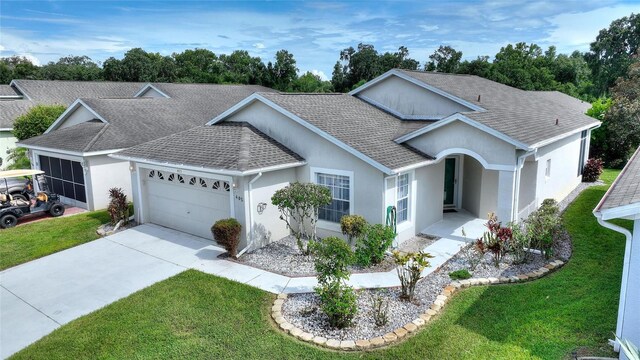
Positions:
{"x": 4, "y": 198}
{"x": 42, "y": 197}
{"x": 20, "y": 202}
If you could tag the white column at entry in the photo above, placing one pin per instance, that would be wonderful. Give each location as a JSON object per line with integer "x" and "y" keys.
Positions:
{"x": 506, "y": 186}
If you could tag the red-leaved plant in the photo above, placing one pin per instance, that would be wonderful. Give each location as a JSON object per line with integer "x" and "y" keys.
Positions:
{"x": 496, "y": 240}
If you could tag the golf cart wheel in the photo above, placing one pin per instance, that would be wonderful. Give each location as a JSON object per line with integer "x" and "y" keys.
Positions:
{"x": 19, "y": 197}
{"x": 56, "y": 210}
{"x": 8, "y": 221}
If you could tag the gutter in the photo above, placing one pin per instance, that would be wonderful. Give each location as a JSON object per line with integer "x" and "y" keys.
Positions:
{"x": 625, "y": 275}
{"x": 250, "y": 213}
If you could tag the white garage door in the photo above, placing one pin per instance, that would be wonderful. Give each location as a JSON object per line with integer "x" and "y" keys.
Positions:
{"x": 186, "y": 203}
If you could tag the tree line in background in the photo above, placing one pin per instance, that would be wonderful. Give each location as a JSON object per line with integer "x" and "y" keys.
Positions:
{"x": 607, "y": 75}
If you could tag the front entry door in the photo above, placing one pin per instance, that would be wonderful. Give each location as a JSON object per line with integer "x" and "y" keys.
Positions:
{"x": 450, "y": 182}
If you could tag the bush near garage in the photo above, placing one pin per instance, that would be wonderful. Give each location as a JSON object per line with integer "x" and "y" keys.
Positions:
{"x": 226, "y": 232}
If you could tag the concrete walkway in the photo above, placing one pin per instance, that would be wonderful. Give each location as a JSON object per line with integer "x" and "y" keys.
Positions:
{"x": 39, "y": 296}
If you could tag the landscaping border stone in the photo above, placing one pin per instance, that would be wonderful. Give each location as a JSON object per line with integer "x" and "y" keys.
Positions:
{"x": 410, "y": 328}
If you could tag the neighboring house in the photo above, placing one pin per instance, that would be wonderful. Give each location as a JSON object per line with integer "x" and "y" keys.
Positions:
{"x": 622, "y": 201}
{"x": 421, "y": 142}
{"x": 74, "y": 151}
{"x": 21, "y": 95}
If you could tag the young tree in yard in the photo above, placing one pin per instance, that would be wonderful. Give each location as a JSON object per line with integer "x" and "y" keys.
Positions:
{"x": 298, "y": 204}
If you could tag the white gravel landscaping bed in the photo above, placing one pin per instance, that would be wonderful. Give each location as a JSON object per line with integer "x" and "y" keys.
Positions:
{"x": 283, "y": 257}
{"x": 302, "y": 310}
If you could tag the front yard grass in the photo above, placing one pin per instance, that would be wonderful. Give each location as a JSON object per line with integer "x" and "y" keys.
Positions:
{"x": 195, "y": 315}
{"x": 31, "y": 241}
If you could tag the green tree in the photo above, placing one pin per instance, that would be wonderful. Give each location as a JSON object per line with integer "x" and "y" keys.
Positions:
{"x": 524, "y": 66}
{"x": 198, "y": 66}
{"x": 242, "y": 68}
{"x": 139, "y": 65}
{"x": 398, "y": 60}
{"x": 310, "y": 83}
{"x": 446, "y": 59}
{"x": 619, "y": 134}
{"x": 17, "y": 67}
{"x": 80, "y": 68}
{"x": 613, "y": 50}
{"x": 480, "y": 67}
{"x": 283, "y": 72}
{"x": 36, "y": 121}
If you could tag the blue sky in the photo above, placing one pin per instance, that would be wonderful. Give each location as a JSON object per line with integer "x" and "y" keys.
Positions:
{"x": 313, "y": 31}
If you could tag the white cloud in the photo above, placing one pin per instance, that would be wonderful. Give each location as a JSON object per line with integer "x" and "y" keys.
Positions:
{"x": 429, "y": 27}
{"x": 320, "y": 74}
{"x": 259, "y": 46}
{"x": 575, "y": 31}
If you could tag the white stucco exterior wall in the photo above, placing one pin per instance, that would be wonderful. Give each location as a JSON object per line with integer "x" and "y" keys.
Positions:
{"x": 7, "y": 142}
{"x": 79, "y": 115}
{"x": 410, "y": 99}
{"x": 105, "y": 173}
{"x": 429, "y": 195}
{"x": 631, "y": 317}
{"x": 564, "y": 156}
{"x": 320, "y": 153}
{"x": 480, "y": 188}
{"x": 265, "y": 217}
{"x": 458, "y": 135}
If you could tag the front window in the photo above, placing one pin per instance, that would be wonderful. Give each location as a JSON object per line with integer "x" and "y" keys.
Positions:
{"x": 402, "y": 206}
{"x": 340, "y": 187}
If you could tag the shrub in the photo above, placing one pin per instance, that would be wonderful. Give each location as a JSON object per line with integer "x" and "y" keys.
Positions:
{"x": 496, "y": 240}
{"x": 544, "y": 224}
{"x": 298, "y": 204}
{"x": 592, "y": 170}
{"x": 373, "y": 244}
{"x": 520, "y": 242}
{"x": 332, "y": 257}
{"x": 338, "y": 302}
{"x": 409, "y": 268}
{"x": 352, "y": 226}
{"x": 36, "y": 121}
{"x": 226, "y": 232}
{"x": 461, "y": 274}
{"x": 380, "y": 311}
{"x": 118, "y": 207}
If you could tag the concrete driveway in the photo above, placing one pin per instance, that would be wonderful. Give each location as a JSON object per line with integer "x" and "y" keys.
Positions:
{"x": 39, "y": 296}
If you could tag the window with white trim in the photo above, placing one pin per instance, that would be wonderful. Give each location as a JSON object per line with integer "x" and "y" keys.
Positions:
{"x": 340, "y": 187}
{"x": 402, "y": 198}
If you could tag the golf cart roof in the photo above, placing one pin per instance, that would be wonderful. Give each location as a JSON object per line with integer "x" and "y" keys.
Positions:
{"x": 19, "y": 173}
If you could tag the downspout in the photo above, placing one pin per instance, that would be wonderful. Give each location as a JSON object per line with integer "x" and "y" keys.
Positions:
{"x": 625, "y": 275}
{"x": 516, "y": 188}
{"x": 250, "y": 213}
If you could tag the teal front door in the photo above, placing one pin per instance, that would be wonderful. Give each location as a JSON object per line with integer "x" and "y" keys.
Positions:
{"x": 449, "y": 181}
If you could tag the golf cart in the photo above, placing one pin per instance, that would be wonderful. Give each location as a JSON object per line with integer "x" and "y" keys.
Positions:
{"x": 11, "y": 209}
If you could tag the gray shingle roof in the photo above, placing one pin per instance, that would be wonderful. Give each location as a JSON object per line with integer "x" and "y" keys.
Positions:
{"x": 136, "y": 120}
{"x": 77, "y": 138}
{"x": 626, "y": 189}
{"x": 228, "y": 146}
{"x": 526, "y": 116}
{"x": 50, "y": 92}
{"x": 8, "y": 90}
{"x": 363, "y": 127}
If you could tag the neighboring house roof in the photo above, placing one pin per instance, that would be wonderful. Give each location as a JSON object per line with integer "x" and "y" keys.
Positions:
{"x": 50, "y": 92}
{"x": 362, "y": 127}
{"x": 11, "y": 109}
{"x": 624, "y": 193}
{"x": 66, "y": 92}
{"x": 8, "y": 91}
{"x": 136, "y": 120}
{"x": 528, "y": 117}
{"x": 229, "y": 146}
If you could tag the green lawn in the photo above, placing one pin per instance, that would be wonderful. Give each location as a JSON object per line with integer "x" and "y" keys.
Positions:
{"x": 194, "y": 315}
{"x": 31, "y": 241}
